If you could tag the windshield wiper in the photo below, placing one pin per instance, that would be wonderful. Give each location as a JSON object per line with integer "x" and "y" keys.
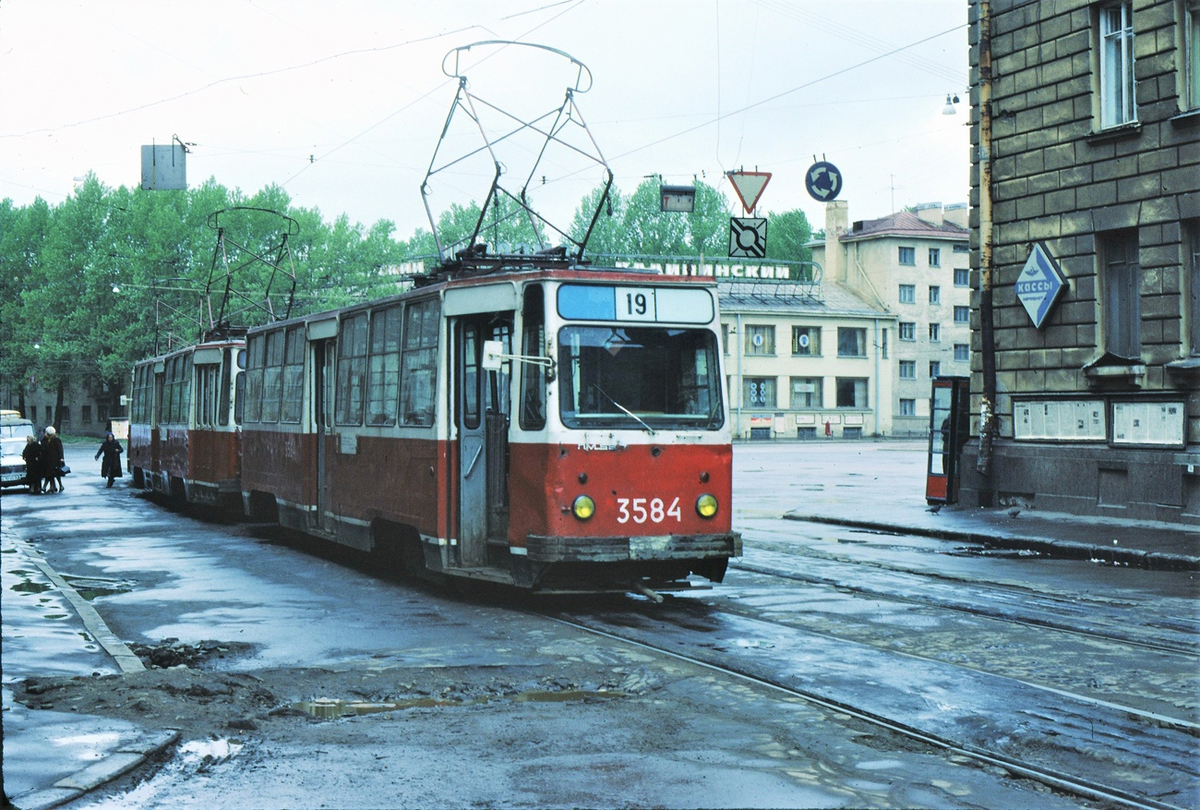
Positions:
{"x": 649, "y": 429}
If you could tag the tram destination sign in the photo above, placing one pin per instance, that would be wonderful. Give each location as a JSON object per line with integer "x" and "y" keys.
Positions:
{"x": 1040, "y": 284}
{"x": 606, "y": 302}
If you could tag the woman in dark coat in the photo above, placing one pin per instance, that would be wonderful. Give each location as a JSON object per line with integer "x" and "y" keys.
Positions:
{"x": 33, "y": 465}
{"x": 110, "y": 467}
{"x": 52, "y": 460}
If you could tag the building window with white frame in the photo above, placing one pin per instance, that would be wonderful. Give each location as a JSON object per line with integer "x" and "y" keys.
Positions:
{"x": 962, "y": 277}
{"x": 962, "y": 352}
{"x": 806, "y": 392}
{"x": 1118, "y": 104}
{"x": 935, "y": 332}
{"x": 935, "y": 294}
{"x": 908, "y": 256}
{"x": 908, "y": 369}
{"x": 759, "y": 392}
{"x": 1122, "y": 301}
{"x": 962, "y": 315}
{"x": 852, "y": 342}
{"x": 852, "y": 392}
{"x": 935, "y": 368}
{"x": 908, "y": 293}
{"x": 908, "y": 330}
{"x": 760, "y": 340}
{"x": 1189, "y": 97}
{"x": 806, "y": 341}
{"x": 935, "y": 257}
{"x": 1191, "y": 260}
{"x": 908, "y": 407}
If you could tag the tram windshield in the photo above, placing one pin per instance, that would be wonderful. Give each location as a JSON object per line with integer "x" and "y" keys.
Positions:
{"x": 644, "y": 378}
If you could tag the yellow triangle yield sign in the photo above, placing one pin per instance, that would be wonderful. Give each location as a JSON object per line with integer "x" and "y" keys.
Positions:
{"x": 749, "y": 187}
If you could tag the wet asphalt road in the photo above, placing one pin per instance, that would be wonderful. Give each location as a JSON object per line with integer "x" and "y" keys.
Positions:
{"x": 155, "y": 574}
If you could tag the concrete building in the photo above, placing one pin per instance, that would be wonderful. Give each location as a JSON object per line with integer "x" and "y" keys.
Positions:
{"x": 805, "y": 360}
{"x": 915, "y": 264}
{"x": 1086, "y": 219}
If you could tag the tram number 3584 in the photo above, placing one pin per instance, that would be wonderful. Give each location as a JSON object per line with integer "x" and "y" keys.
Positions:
{"x": 639, "y": 510}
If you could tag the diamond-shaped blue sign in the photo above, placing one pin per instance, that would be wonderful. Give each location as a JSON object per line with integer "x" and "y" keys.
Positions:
{"x": 1040, "y": 284}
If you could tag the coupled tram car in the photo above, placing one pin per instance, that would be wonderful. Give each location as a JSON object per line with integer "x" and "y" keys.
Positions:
{"x": 553, "y": 429}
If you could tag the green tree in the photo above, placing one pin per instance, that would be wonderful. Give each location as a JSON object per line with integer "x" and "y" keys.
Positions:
{"x": 787, "y": 234}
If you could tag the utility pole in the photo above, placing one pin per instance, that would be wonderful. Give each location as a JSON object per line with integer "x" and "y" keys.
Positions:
{"x": 987, "y": 336}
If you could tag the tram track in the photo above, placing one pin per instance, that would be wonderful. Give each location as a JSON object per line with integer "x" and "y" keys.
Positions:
{"x": 1191, "y": 651}
{"x": 1022, "y": 606}
{"x": 1057, "y": 777}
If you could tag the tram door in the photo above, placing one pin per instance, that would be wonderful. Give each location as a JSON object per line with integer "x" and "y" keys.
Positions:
{"x": 481, "y": 417}
{"x": 949, "y": 425}
{"x": 323, "y": 379}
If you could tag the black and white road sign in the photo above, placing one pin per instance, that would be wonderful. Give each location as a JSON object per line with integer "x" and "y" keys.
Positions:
{"x": 823, "y": 181}
{"x": 747, "y": 238}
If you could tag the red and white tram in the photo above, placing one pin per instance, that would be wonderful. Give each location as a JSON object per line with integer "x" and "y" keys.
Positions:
{"x": 184, "y": 431}
{"x": 550, "y": 428}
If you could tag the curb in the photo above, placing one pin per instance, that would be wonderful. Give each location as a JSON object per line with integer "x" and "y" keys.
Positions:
{"x": 116, "y": 764}
{"x": 1064, "y": 549}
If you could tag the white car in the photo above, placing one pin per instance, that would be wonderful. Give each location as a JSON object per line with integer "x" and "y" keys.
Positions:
{"x": 12, "y": 465}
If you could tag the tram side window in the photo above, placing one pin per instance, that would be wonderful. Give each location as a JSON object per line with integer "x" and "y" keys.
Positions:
{"x": 174, "y": 390}
{"x": 351, "y": 371}
{"x": 533, "y": 376}
{"x": 383, "y": 367}
{"x": 142, "y": 386}
{"x": 418, "y": 365}
{"x": 223, "y": 388}
{"x": 256, "y": 348}
{"x": 272, "y": 377}
{"x": 206, "y": 395}
{"x": 293, "y": 376}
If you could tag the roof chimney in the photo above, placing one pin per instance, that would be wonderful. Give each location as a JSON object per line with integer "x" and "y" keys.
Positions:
{"x": 837, "y": 217}
{"x": 931, "y": 213}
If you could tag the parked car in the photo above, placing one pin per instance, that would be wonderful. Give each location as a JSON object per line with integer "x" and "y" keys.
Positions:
{"x": 13, "y": 430}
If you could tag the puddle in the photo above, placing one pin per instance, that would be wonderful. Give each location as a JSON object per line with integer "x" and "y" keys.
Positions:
{"x": 331, "y": 709}
{"x": 91, "y": 587}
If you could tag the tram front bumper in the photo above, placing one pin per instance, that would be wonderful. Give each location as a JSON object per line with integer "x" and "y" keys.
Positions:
{"x": 641, "y": 548}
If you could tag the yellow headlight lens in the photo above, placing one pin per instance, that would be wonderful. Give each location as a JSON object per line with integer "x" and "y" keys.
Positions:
{"x": 583, "y": 507}
{"x": 706, "y": 506}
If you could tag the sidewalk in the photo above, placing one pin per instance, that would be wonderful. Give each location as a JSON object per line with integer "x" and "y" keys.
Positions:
{"x": 1137, "y": 543}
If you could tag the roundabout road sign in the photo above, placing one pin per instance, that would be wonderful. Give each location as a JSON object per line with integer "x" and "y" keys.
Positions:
{"x": 823, "y": 181}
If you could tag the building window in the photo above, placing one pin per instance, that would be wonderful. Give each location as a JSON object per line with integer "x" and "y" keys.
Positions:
{"x": 883, "y": 344}
{"x": 908, "y": 369}
{"x": 908, "y": 293}
{"x": 935, "y": 294}
{"x": 806, "y": 341}
{"x": 806, "y": 392}
{"x": 725, "y": 338}
{"x": 1192, "y": 267}
{"x": 935, "y": 332}
{"x": 908, "y": 255}
{"x": 1191, "y": 62}
{"x": 1122, "y": 294}
{"x": 935, "y": 257}
{"x": 760, "y": 340}
{"x": 962, "y": 277}
{"x": 1117, "y": 84}
{"x": 852, "y": 342}
{"x": 962, "y": 352}
{"x": 87, "y": 414}
{"x": 935, "y": 368}
{"x": 908, "y": 407}
{"x": 908, "y": 331}
{"x": 962, "y": 315}
{"x": 759, "y": 392}
{"x": 852, "y": 392}
{"x": 65, "y": 413}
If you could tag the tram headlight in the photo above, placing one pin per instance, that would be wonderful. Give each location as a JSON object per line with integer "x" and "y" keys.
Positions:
{"x": 583, "y": 507}
{"x": 706, "y": 506}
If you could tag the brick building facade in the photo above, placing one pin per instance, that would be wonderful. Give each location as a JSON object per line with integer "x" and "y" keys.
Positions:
{"x": 1086, "y": 160}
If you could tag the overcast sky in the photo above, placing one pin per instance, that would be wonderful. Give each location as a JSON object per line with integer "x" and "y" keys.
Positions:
{"x": 342, "y": 103}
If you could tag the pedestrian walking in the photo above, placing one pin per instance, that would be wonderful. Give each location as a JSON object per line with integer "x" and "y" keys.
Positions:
{"x": 33, "y": 465}
{"x": 52, "y": 460}
{"x": 110, "y": 467}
